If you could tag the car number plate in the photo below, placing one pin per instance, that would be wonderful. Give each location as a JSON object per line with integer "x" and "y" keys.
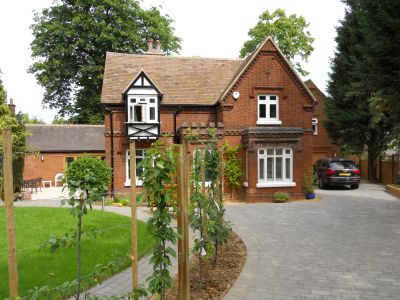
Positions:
{"x": 344, "y": 174}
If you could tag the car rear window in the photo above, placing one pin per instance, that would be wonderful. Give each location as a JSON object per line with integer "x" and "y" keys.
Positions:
{"x": 340, "y": 165}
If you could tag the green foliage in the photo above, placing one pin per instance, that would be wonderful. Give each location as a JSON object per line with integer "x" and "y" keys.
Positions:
{"x": 87, "y": 178}
{"x": 159, "y": 171}
{"x": 34, "y": 120}
{"x": 88, "y": 175}
{"x": 379, "y": 25}
{"x": 289, "y": 32}
{"x": 19, "y": 135}
{"x": 59, "y": 120}
{"x": 123, "y": 200}
{"x": 357, "y": 111}
{"x": 43, "y": 268}
{"x": 191, "y": 136}
{"x": 97, "y": 276}
{"x": 206, "y": 210}
{"x": 280, "y": 197}
{"x": 3, "y": 92}
{"x": 233, "y": 165}
{"x": 308, "y": 181}
{"x": 71, "y": 39}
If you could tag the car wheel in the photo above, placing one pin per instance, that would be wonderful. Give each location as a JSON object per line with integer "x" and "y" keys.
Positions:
{"x": 354, "y": 186}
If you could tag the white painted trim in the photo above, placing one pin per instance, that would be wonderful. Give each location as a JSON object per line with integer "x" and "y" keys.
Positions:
{"x": 275, "y": 184}
{"x": 245, "y": 184}
{"x": 128, "y": 183}
{"x": 269, "y": 122}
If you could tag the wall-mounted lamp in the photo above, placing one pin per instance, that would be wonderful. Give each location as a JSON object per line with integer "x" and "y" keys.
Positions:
{"x": 42, "y": 158}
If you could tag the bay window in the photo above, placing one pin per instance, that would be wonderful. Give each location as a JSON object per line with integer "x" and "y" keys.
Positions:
{"x": 275, "y": 167}
{"x": 142, "y": 109}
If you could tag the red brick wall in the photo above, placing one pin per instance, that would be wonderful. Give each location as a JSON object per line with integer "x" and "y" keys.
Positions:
{"x": 323, "y": 145}
{"x": 268, "y": 75}
{"x": 51, "y": 164}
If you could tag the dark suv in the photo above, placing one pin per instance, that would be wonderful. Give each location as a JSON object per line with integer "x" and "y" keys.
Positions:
{"x": 337, "y": 171}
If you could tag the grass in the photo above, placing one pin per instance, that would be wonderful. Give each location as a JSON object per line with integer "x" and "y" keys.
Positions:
{"x": 42, "y": 268}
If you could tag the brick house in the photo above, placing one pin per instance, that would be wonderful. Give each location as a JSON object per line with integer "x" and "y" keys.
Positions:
{"x": 259, "y": 102}
{"x": 322, "y": 144}
{"x": 52, "y": 147}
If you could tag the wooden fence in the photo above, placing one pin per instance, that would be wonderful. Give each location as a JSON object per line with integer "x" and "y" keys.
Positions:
{"x": 387, "y": 171}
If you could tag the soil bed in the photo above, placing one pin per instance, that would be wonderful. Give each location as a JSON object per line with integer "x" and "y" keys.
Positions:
{"x": 220, "y": 279}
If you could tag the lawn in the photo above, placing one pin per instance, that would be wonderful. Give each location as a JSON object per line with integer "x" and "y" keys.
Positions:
{"x": 40, "y": 267}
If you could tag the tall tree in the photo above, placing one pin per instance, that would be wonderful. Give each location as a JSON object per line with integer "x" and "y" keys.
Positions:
{"x": 380, "y": 25}
{"x": 26, "y": 119}
{"x": 3, "y": 92}
{"x": 355, "y": 116}
{"x": 289, "y": 32}
{"x": 70, "y": 43}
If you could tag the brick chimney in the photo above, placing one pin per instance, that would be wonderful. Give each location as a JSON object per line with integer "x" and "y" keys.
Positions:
{"x": 11, "y": 106}
{"x": 154, "y": 51}
{"x": 150, "y": 45}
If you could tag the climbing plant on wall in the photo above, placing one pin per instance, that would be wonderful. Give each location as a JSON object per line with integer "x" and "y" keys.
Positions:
{"x": 232, "y": 166}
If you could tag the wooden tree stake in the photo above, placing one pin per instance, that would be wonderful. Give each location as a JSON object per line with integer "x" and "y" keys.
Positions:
{"x": 183, "y": 224}
{"x": 10, "y": 222}
{"x": 134, "y": 255}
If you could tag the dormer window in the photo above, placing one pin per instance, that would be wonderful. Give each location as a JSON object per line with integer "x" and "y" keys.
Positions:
{"x": 142, "y": 109}
{"x": 268, "y": 110}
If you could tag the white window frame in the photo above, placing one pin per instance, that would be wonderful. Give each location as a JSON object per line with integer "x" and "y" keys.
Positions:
{"x": 145, "y": 102}
{"x": 262, "y": 154}
{"x": 314, "y": 126}
{"x": 127, "y": 160}
{"x": 265, "y": 99}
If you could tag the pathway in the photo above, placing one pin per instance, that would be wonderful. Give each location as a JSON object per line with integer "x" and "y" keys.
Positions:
{"x": 345, "y": 247}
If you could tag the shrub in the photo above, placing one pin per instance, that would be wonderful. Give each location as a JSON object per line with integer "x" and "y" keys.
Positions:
{"x": 123, "y": 200}
{"x": 308, "y": 181}
{"x": 280, "y": 197}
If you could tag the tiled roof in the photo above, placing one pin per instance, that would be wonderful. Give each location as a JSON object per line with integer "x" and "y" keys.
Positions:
{"x": 183, "y": 80}
{"x": 65, "y": 138}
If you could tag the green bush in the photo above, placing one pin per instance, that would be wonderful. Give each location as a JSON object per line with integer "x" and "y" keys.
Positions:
{"x": 88, "y": 174}
{"x": 124, "y": 200}
{"x": 280, "y": 197}
{"x": 308, "y": 181}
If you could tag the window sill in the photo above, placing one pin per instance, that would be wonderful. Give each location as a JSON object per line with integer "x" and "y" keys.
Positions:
{"x": 128, "y": 184}
{"x": 275, "y": 184}
{"x": 269, "y": 122}
{"x": 245, "y": 184}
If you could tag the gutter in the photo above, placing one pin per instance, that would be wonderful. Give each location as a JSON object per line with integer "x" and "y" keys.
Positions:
{"x": 112, "y": 150}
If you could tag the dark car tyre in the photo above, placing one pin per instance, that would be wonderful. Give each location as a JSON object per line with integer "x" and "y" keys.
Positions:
{"x": 354, "y": 186}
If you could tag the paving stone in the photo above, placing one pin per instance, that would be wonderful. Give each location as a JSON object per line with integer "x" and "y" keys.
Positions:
{"x": 344, "y": 247}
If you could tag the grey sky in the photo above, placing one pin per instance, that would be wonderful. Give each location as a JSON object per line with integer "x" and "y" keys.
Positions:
{"x": 209, "y": 28}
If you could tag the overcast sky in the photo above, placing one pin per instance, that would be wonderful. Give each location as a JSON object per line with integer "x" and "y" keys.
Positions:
{"x": 209, "y": 28}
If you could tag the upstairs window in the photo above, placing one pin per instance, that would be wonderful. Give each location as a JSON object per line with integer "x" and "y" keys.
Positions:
{"x": 268, "y": 110}
{"x": 142, "y": 109}
{"x": 314, "y": 126}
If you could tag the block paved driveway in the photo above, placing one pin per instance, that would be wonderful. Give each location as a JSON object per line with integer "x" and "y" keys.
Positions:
{"x": 345, "y": 247}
